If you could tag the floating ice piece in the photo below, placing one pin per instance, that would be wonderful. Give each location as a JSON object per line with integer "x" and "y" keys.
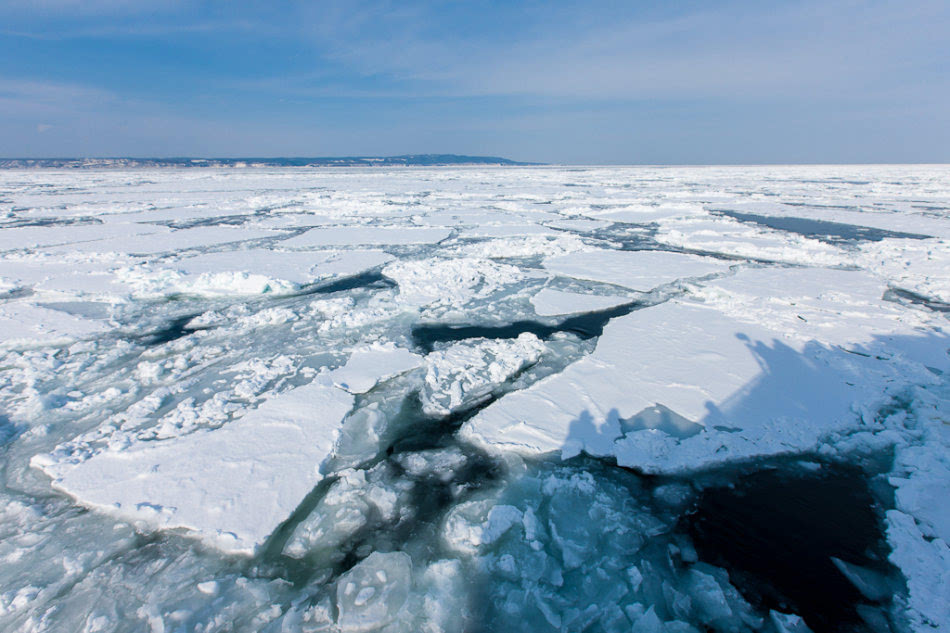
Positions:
{"x": 372, "y": 593}
{"x": 731, "y": 237}
{"x": 55, "y": 279}
{"x": 527, "y": 246}
{"x": 551, "y": 302}
{"x": 788, "y": 623}
{"x": 466, "y": 371}
{"x": 578, "y": 224}
{"x": 231, "y": 487}
{"x": 372, "y": 364}
{"x": 471, "y": 525}
{"x": 299, "y": 268}
{"x": 921, "y": 266}
{"x": 336, "y": 518}
{"x": 507, "y": 230}
{"x": 169, "y": 241}
{"x": 926, "y": 565}
{"x": 637, "y": 270}
{"x": 645, "y": 214}
{"x": 452, "y": 282}
{"x": 43, "y": 236}
{"x": 357, "y": 235}
{"x": 753, "y": 394}
{"x": 249, "y": 272}
{"x": 844, "y": 308}
{"x": 925, "y": 486}
{"x": 23, "y": 323}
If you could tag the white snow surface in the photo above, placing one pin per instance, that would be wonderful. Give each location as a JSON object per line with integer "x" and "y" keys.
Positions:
{"x": 771, "y": 361}
{"x": 368, "y": 365}
{"x": 30, "y": 324}
{"x": 356, "y": 235}
{"x": 250, "y": 272}
{"x": 550, "y": 302}
{"x": 231, "y": 486}
{"x": 637, "y": 270}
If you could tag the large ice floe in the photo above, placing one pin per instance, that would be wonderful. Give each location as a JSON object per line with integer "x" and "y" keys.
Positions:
{"x": 652, "y": 400}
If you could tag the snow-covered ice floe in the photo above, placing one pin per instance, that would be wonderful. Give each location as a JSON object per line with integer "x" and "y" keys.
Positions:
{"x": 231, "y": 486}
{"x": 537, "y": 399}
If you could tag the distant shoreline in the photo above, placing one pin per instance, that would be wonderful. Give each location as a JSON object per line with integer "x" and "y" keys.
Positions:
{"x": 406, "y": 160}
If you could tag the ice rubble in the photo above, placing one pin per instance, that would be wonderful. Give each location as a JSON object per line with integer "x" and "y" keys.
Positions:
{"x": 465, "y": 372}
{"x": 547, "y": 563}
{"x": 390, "y": 520}
{"x": 450, "y": 282}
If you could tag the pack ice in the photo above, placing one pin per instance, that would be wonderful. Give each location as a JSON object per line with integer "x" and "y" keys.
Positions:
{"x": 452, "y": 399}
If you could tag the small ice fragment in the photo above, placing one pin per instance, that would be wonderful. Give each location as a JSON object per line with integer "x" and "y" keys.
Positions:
{"x": 371, "y": 364}
{"x": 371, "y": 594}
{"x": 788, "y": 623}
{"x": 550, "y": 302}
{"x": 209, "y": 588}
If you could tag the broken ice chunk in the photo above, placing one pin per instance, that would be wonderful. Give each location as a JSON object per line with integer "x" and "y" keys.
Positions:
{"x": 371, "y": 594}
{"x": 464, "y": 372}
{"x": 231, "y": 486}
{"x": 23, "y": 323}
{"x": 354, "y": 235}
{"x": 452, "y": 282}
{"x": 372, "y": 364}
{"x": 753, "y": 393}
{"x": 637, "y": 270}
{"x": 788, "y": 622}
{"x": 551, "y": 302}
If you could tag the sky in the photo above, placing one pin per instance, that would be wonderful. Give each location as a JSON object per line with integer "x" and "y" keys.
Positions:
{"x": 597, "y": 82}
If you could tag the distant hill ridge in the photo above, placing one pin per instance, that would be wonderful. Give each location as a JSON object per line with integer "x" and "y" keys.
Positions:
{"x": 406, "y": 160}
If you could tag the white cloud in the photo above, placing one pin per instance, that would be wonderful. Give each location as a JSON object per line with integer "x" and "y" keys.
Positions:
{"x": 812, "y": 49}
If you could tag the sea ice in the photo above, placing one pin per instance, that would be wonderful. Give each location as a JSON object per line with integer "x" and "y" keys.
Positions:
{"x": 637, "y": 270}
{"x": 550, "y": 302}
{"x": 230, "y": 486}
{"x": 371, "y": 364}
{"x": 24, "y": 323}
{"x": 751, "y": 391}
{"x": 449, "y": 282}
{"x": 462, "y": 373}
{"x": 154, "y": 242}
{"x": 370, "y": 595}
{"x": 12, "y": 238}
{"x": 246, "y": 272}
{"x": 157, "y": 328}
{"x": 358, "y": 235}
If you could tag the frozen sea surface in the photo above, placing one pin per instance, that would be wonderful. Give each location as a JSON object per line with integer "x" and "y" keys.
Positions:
{"x": 658, "y": 400}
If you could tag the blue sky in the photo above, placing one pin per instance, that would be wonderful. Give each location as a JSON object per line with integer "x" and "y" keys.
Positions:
{"x": 592, "y": 82}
